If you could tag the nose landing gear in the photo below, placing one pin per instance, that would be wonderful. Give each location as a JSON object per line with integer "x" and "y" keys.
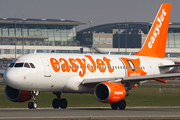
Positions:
{"x": 33, "y": 104}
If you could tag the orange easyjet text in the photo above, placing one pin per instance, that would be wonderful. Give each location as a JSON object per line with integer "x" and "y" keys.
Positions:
{"x": 71, "y": 64}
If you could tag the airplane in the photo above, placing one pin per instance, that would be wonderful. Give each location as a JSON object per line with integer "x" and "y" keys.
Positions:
{"x": 108, "y": 77}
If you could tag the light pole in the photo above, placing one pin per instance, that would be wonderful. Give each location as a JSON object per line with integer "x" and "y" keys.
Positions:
{"x": 119, "y": 32}
{"x": 15, "y": 38}
{"x": 126, "y": 40}
{"x": 23, "y": 20}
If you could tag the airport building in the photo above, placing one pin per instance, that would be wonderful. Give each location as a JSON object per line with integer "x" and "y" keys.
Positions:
{"x": 127, "y": 38}
{"x": 24, "y": 36}
{"x": 36, "y": 32}
{"x": 125, "y": 35}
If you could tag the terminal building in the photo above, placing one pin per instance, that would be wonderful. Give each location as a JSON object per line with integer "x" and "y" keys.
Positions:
{"x": 27, "y": 35}
{"x": 127, "y": 38}
{"x": 36, "y": 32}
{"x": 24, "y": 36}
{"x": 125, "y": 35}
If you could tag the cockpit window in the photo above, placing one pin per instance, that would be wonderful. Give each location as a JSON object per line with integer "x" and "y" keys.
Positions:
{"x": 26, "y": 65}
{"x": 32, "y": 65}
{"x": 11, "y": 65}
{"x": 19, "y": 65}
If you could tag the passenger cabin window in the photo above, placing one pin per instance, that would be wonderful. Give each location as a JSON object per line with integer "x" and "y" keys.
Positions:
{"x": 11, "y": 65}
{"x": 19, "y": 65}
{"x": 26, "y": 65}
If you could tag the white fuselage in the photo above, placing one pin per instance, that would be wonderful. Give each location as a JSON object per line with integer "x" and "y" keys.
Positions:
{"x": 65, "y": 72}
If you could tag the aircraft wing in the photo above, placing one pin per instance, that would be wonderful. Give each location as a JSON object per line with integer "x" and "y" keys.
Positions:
{"x": 167, "y": 66}
{"x": 92, "y": 82}
{"x": 98, "y": 80}
{"x": 151, "y": 77}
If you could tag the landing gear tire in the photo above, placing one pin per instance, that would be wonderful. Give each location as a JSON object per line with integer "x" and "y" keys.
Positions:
{"x": 32, "y": 105}
{"x": 63, "y": 103}
{"x": 122, "y": 104}
{"x": 56, "y": 103}
{"x": 114, "y": 106}
{"x": 59, "y": 103}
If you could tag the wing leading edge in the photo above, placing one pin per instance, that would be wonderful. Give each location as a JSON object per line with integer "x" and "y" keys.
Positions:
{"x": 92, "y": 82}
{"x": 168, "y": 66}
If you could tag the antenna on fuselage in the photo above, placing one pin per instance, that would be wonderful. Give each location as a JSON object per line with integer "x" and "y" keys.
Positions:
{"x": 35, "y": 51}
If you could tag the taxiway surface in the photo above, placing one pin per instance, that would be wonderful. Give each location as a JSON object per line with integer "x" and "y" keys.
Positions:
{"x": 97, "y": 113}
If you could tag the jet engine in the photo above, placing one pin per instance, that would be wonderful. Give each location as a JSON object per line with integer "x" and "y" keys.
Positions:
{"x": 108, "y": 92}
{"x": 17, "y": 95}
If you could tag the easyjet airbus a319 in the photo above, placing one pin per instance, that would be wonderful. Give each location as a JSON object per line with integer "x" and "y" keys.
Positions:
{"x": 109, "y": 77}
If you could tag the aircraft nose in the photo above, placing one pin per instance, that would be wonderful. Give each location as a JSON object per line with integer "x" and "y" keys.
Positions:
{"x": 9, "y": 78}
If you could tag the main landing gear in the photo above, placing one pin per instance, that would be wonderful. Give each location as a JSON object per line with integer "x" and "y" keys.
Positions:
{"x": 33, "y": 104}
{"x": 58, "y": 102}
{"x": 121, "y": 104}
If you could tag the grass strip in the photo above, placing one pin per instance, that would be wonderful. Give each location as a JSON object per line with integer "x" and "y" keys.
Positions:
{"x": 149, "y": 94}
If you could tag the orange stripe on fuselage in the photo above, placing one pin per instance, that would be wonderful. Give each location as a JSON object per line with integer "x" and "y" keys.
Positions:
{"x": 133, "y": 67}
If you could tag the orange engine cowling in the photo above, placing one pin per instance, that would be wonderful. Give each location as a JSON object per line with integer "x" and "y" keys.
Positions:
{"x": 108, "y": 92}
{"x": 17, "y": 95}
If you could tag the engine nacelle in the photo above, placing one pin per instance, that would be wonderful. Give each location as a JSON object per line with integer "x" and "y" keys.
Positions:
{"x": 17, "y": 95}
{"x": 108, "y": 92}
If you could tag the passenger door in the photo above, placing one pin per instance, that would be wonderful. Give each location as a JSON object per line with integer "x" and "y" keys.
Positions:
{"x": 47, "y": 70}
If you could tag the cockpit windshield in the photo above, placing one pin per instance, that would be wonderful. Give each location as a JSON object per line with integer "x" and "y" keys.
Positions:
{"x": 11, "y": 65}
{"x": 18, "y": 65}
{"x": 26, "y": 65}
{"x": 32, "y": 65}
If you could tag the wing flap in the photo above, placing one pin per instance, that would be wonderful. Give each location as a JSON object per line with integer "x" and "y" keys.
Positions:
{"x": 160, "y": 80}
